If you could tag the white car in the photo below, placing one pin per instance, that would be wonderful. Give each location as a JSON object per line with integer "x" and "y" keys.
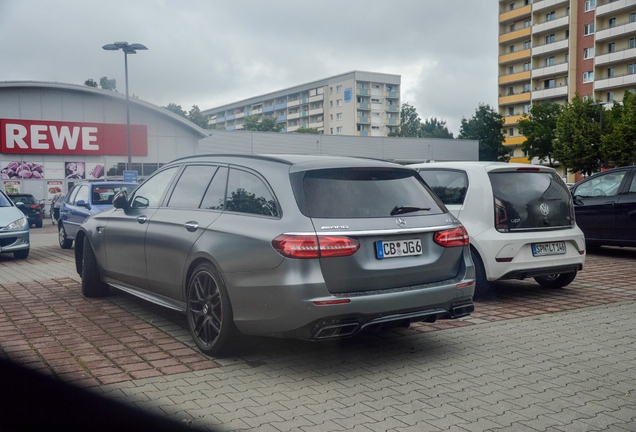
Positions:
{"x": 519, "y": 217}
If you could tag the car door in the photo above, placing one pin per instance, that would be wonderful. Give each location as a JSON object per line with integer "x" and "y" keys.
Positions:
{"x": 77, "y": 211}
{"x": 595, "y": 205}
{"x": 125, "y": 232}
{"x": 176, "y": 226}
{"x": 626, "y": 212}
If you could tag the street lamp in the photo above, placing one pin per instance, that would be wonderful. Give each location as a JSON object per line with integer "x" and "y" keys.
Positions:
{"x": 127, "y": 49}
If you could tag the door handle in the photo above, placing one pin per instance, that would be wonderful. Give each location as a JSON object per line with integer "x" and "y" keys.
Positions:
{"x": 142, "y": 219}
{"x": 191, "y": 226}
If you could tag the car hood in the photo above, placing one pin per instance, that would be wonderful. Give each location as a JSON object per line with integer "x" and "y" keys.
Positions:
{"x": 8, "y": 215}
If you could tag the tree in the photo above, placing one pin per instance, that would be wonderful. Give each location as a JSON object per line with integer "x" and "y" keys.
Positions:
{"x": 486, "y": 127}
{"x": 108, "y": 84}
{"x": 410, "y": 122}
{"x": 578, "y": 136}
{"x": 90, "y": 82}
{"x": 197, "y": 118}
{"x": 434, "y": 128}
{"x": 307, "y": 130}
{"x": 618, "y": 143}
{"x": 539, "y": 127}
{"x": 267, "y": 124}
{"x": 176, "y": 109}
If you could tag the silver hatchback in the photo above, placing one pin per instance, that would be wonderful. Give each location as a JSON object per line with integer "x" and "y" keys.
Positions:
{"x": 305, "y": 247}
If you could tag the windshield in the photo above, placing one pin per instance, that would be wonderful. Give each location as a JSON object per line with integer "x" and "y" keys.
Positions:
{"x": 4, "y": 201}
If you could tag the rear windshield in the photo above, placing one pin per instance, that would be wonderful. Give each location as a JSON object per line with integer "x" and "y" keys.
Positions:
{"x": 449, "y": 185}
{"x": 364, "y": 193}
{"x": 530, "y": 201}
{"x": 26, "y": 199}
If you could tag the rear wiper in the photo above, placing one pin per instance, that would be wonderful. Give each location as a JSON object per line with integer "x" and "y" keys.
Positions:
{"x": 407, "y": 209}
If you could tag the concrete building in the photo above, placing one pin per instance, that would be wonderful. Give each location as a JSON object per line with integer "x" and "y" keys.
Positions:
{"x": 551, "y": 49}
{"x": 353, "y": 103}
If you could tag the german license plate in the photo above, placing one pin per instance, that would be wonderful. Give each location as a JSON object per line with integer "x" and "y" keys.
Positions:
{"x": 392, "y": 249}
{"x": 553, "y": 248}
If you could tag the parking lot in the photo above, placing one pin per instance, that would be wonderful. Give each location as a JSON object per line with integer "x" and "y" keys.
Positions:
{"x": 528, "y": 358}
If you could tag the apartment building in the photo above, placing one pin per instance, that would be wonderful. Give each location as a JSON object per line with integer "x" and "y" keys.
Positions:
{"x": 551, "y": 49}
{"x": 354, "y": 103}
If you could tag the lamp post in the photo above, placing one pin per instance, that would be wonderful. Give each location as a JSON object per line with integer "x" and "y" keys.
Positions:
{"x": 127, "y": 49}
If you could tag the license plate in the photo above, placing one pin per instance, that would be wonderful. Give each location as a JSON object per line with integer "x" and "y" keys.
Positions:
{"x": 553, "y": 248}
{"x": 392, "y": 249}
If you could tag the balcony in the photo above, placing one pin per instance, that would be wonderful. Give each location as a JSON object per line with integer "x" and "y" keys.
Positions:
{"x": 515, "y": 56}
{"x": 511, "y": 120}
{"x": 293, "y": 103}
{"x": 554, "y": 70}
{"x": 515, "y": 14}
{"x": 268, "y": 109}
{"x": 363, "y": 92}
{"x": 550, "y": 93}
{"x": 623, "y": 29}
{"x": 392, "y": 94}
{"x": 514, "y": 35}
{"x": 515, "y": 77}
{"x": 618, "y": 81}
{"x": 316, "y": 111}
{"x": 613, "y": 7}
{"x": 364, "y": 120}
{"x": 280, "y": 106}
{"x": 281, "y": 118}
{"x": 558, "y": 23}
{"x": 293, "y": 116}
{"x": 391, "y": 121}
{"x": 514, "y": 140}
{"x": 392, "y": 108}
{"x": 560, "y": 45}
{"x": 545, "y": 4}
{"x": 615, "y": 57}
{"x": 316, "y": 98}
{"x": 230, "y": 117}
{"x": 363, "y": 133}
{"x": 514, "y": 98}
{"x": 364, "y": 106}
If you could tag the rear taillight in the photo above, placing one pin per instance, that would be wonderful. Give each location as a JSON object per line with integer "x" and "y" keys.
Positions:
{"x": 311, "y": 246}
{"x": 34, "y": 206}
{"x": 452, "y": 237}
{"x": 501, "y": 216}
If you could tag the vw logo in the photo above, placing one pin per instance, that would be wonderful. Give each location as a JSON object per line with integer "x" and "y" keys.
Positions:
{"x": 400, "y": 222}
{"x": 544, "y": 209}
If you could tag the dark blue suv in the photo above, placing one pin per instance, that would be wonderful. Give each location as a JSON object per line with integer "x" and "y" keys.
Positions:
{"x": 84, "y": 200}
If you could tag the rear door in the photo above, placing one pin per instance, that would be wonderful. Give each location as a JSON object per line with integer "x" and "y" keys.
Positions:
{"x": 76, "y": 214}
{"x": 626, "y": 211}
{"x": 394, "y": 218}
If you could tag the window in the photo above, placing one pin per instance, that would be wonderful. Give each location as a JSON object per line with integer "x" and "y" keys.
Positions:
{"x": 149, "y": 194}
{"x": 527, "y": 66}
{"x": 339, "y": 89}
{"x": 339, "y": 129}
{"x": 339, "y": 116}
{"x": 632, "y": 43}
{"x": 549, "y": 61}
{"x": 600, "y": 186}
{"x": 511, "y": 90}
{"x": 330, "y": 104}
{"x": 526, "y": 87}
{"x": 612, "y": 22}
{"x": 632, "y": 17}
{"x": 512, "y": 27}
{"x": 549, "y": 84}
{"x": 631, "y": 68}
{"x": 247, "y": 193}
{"x": 214, "y": 198}
{"x": 588, "y": 29}
{"x": 585, "y": 98}
{"x": 588, "y": 76}
{"x": 611, "y": 47}
{"x": 512, "y": 6}
{"x": 339, "y": 102}
{"x": 567, "y": 34}
{"x": 511, "y": 111}
{"x": 588, "y": 53}
{"x": 511, "y": 132}
{"x": 610, "y": 72}
{"x": 527, "y": 45}
{"x": 590, "y": 5}
{"x": 330, "y": 90}
{"x": 610, "y": 97}
{"x": 511, "y": 69}
{"x": 512, "y": 48}
{"x": 527, "y": 23}
{"x": 550, "y": 38}
{"x": 330, "y": 116}
{"x": 191, "y": 186}
{"x": 550, "y": 16}
{"x": 526, "y": 109}
{"x": 82, "y": 195}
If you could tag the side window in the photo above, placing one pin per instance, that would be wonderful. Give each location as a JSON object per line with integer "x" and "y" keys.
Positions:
{"x": 150, "y": 192}
{"x": 191, "y": 186}
{"x": 450, "y": 186}
{"x": 82, "y": 195}
{"x": 214, "y": 198}
{"x": 632, "y": 188}
{"x": 246, "y": 193}
{"x": 601, "y": 186}
{"x": 70, "y": 199}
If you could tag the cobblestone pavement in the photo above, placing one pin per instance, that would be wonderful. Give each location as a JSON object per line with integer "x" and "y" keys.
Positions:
{"x": 527, "y": 359}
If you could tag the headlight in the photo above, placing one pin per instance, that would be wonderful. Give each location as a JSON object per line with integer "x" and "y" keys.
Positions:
{"x": 16, "y": 225}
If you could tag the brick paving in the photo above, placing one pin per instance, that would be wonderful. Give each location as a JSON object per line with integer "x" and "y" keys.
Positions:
{"x": 529, "y": 358}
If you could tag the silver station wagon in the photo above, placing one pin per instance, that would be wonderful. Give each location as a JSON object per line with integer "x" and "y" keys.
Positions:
{"x": 307, "y": 247}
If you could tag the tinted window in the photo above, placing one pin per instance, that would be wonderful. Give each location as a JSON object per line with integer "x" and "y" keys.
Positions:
{"x": 150, "y": 192}
{"x": 82, "y": 195}
{"x": 632, "y": 188}
{"x": 449, "y": 185}
{"x": 603, "y": 185}
{"x": 246, "y": 193}
{"x": 191, "y": 186}
{"x": 530, "y": 200}
{"x": 105, "y": 194}
{"x": 362, "y": 193}
{"x": 214, "y": 198}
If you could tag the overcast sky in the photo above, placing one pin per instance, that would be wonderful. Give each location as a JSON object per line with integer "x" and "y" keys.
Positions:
{"x": 209, "y": 52}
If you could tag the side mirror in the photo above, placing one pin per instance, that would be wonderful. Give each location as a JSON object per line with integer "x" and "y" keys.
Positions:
{"x": 120, "y": 200}
{"x": 81, "y": 203}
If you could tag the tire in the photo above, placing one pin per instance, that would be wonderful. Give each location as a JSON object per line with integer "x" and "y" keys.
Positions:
{"x": 555, "y": 280}
{"x": 482, "y": 285}
{"x": 92, "y": 285}
{"x": 209, "y": 312}
{"x": 65, "y": 243}
{"x": 21, "y": 254}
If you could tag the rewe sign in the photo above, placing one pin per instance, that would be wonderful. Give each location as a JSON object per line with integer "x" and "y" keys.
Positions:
{"x": 64, "y": 138}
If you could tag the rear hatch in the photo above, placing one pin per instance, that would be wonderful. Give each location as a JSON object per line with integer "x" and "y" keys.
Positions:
{"x": 530, "y": 200}
{"x": 393, "y": 217}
